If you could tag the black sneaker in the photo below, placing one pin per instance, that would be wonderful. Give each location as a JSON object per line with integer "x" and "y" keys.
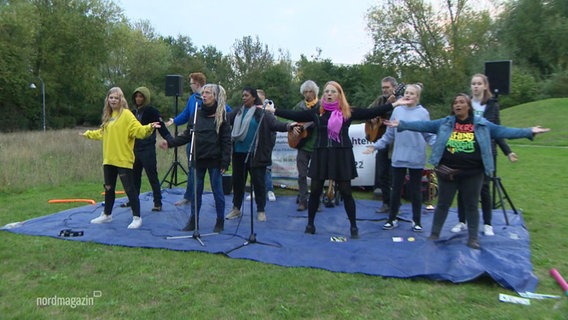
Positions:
{"x": 390, "y": 225}
{"x": 417, "y": 227}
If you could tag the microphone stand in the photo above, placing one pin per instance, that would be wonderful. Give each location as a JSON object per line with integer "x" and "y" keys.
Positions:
{"x": 249, "y": 159}
{"x": 195, "y": 235}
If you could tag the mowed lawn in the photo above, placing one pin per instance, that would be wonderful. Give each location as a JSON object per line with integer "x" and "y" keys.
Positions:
{"x": 135, "y": 283}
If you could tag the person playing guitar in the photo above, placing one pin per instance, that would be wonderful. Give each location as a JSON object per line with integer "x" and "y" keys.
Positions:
{"x": 374, "y": 130}
{"x": 302, "y": 138}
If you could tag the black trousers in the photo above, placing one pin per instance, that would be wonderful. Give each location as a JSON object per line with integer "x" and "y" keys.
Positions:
{"x": 383, "y": 174}
{"x": 126, "y": 177}
{"x": 240, "y": 169}
{"x": 146, "y": 159}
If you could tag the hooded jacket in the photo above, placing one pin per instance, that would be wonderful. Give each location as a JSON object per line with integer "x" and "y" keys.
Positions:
{"x": 148, "y": 114}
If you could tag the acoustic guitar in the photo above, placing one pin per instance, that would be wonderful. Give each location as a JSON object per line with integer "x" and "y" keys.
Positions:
{"x": 294, "y": 140}
{"x": 373, "y": 130}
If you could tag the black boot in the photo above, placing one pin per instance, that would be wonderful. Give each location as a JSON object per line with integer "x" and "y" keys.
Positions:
{"x": 474, "y": 244}
{"x": 190, "y": 226}
{"x": 310, "y": 228}
{"x": 219, "y": 225}
{"x": 354, "y": 233}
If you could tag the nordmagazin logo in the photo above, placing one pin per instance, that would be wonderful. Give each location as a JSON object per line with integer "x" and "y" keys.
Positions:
{"x": 73, "y": 302}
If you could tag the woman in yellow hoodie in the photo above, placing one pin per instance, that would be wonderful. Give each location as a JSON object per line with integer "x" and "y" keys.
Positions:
{"x": 118, "y": 131}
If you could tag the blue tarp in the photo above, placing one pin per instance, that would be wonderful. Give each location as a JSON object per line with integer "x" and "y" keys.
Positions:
{"x": 399, "y": 253}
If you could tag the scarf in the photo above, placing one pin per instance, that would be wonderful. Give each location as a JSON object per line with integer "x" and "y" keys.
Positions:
{"x": 209, "y": 110}
{"x": 241, "y": 125}
{"x": 335, "y": 120}
{"x": 311, "y": 103}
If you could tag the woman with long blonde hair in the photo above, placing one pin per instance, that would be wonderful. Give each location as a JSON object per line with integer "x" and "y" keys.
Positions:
{"x": 211, "y": 151}
{"x": 118, "y": 130}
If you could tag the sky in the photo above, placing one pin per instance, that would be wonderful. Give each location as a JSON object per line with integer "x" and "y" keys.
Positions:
{"x": 338, "y": 28}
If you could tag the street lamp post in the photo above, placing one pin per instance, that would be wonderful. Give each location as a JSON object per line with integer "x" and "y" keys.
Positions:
{"x": 33, "y": 86}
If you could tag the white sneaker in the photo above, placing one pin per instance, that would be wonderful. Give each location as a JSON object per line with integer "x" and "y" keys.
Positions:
{"x": 182, "y": 202}
{"x": 488, "y": 230}
{"x": 459, "y": 227}
{"x": 261, "y": 216}
{"x": 103, "y": 218}
{"x": 248, "y": 197}
{"x": 235, "y": 213}
{"x": 271, "y": 196}
{"x": 136, "y": 223}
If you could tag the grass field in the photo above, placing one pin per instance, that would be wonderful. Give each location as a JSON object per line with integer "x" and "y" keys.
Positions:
{"x": 152, "y": 283}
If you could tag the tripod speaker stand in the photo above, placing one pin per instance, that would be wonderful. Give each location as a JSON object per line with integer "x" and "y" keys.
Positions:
{"x": 248, "y": 161}
{"x": 174, "y": 87}
{"x": 500, "y": 195}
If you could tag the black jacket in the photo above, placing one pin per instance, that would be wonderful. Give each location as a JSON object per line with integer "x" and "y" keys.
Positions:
{"x": 262, "y": 155}
{"x": 211, "y": 150}
{"x": 492, "y": 114}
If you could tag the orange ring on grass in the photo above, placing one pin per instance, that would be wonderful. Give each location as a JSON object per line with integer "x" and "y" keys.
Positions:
{"x": 117, "y": 192}
{"x": 91, "y": 201}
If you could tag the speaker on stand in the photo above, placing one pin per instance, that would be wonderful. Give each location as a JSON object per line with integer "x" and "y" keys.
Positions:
{"x": 174, "y": 88}
{"x": 499, "y": 75}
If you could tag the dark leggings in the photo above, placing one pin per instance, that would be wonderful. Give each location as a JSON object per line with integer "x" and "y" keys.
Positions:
{"x": 344, "y": 188}
{"x": 486, "y": 202}
{"x": 127, "y": 178}
{"x": 469, "y": 187}
{"x": 414, "y": 188}
{"x": 240, "y": 169}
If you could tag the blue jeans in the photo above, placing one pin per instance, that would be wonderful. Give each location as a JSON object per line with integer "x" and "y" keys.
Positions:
{"x": 216, "y": 179}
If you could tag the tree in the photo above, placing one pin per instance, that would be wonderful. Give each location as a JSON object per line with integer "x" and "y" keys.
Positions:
{"x": 433, "y": 47}
{"x": 535, "y": 32}
{"x": 69, "y": 46}
{"x": 217, "y": 67}
{"x": 250, "y": 58}
{"x": 16, "y": 38}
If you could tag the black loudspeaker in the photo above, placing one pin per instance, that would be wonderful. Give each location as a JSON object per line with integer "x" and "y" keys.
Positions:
{"x": 174, "y": 85}
{"x": 499, "y": 75}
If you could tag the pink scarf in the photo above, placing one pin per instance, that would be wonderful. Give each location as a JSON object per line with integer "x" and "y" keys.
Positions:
{"x": 335, "y": 120}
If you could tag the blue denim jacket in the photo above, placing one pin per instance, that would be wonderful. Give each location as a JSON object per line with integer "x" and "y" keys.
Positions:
{"x": 484, "y": 131}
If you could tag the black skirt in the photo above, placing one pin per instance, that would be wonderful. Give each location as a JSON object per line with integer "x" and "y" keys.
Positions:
{"x": 333, "y": 163}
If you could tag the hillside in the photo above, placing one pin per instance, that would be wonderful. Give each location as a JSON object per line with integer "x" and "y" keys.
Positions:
{"x": 550, "y": 113}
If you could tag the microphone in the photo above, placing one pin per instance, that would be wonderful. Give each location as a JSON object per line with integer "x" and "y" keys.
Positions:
{"x": 267, "y": 102}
